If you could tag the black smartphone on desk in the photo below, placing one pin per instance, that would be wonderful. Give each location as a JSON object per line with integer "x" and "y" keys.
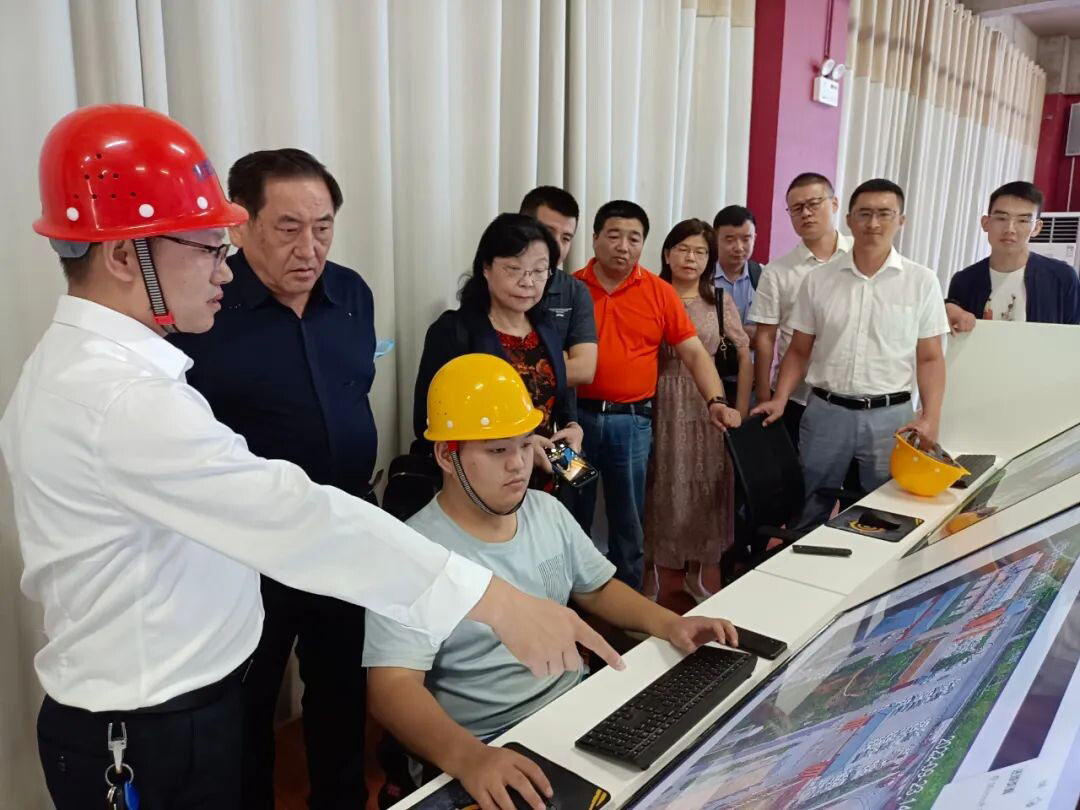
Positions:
{"x": 760, "y": 645}
{"x": 824, "y": 551}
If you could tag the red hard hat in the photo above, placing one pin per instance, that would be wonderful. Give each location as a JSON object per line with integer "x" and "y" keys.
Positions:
{"x": 116, "y": 171}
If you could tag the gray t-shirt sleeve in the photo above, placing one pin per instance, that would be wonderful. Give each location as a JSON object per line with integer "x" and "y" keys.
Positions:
{"x": 590, "y": 569}
{"x": 390, "y": 644}
{"x": 582, "y": 323}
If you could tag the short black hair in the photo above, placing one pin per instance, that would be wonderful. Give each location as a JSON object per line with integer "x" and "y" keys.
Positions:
{"x": 620, "y": 209}
{"x": 733, "y": 216}
{"x": 557, "y": 199}
{"x": 1018, "y": 188}
{"x": 809, "y": 179}
{"x": 248, "y": 176}
{"x": 507, "y": 235}
{"x": 76, "y": 270}
{"x": 878, "y": 184}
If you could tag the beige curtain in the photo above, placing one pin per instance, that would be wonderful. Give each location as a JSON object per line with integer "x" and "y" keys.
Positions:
{"x": 946, "y": 107}
{"x": 657, "y": 109}
{"x": 434, "y": 116}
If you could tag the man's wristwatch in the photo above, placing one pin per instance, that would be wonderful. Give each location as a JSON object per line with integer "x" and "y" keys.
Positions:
{"x": 716, "y": 400}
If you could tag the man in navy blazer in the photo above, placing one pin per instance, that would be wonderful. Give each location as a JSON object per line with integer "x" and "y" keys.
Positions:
{"x": 1013, "y": 284}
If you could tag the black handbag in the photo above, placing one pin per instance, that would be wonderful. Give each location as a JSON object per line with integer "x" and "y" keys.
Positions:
{"x": 727, "y": 354}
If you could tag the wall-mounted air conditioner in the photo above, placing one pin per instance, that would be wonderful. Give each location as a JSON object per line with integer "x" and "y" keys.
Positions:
{"x": 1059, "y": 238}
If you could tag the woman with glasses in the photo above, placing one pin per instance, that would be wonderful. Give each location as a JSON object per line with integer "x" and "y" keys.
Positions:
{"x": 499, "y": 314}
{"x": 690, "y": 489}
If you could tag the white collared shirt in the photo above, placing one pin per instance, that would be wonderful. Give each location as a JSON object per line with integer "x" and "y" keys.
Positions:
{"x": 866, "y": 327}
{"x": 143, "y": 521}
{"x": 775, "y": 298}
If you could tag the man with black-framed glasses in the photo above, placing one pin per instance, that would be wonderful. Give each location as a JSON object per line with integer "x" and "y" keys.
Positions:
{"x": 143, "y": 521}
{"x": 867, "y": 327}
{"x": 289, "y": 365}
{"x": 1012, "y": 283}
{"x": 812, "y": 205}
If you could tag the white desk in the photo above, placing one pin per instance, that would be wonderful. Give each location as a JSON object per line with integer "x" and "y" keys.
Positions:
{"x": 977, "y": 536}
{"x": 843, "y": 575}
{"x": 777, "y": 607}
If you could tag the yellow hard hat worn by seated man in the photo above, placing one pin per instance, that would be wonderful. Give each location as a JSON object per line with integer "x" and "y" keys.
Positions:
{"x": 476, "y": 397}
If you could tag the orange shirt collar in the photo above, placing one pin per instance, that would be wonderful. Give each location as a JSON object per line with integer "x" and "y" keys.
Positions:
{"x": 588, "y": 275}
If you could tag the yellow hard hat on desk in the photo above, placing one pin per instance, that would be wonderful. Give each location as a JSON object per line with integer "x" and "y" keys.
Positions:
{"x": 478, "y": 396}
{"x": 921, "y": 467}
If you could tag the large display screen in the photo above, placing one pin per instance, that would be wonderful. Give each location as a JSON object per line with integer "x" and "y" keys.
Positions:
{"x": 1041, "y": 467}
{"x": 959, "y": 689}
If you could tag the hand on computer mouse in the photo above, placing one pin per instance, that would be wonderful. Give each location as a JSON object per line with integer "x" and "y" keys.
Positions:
{"x": 489, "y": 774}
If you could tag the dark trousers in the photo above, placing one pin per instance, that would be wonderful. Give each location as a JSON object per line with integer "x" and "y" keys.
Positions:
{"x": 329, "y": 637}
{"x": 186, "y": 760}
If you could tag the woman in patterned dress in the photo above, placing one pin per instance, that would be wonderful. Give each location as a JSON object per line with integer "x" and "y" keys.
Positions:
{"x": 690, "y": 490}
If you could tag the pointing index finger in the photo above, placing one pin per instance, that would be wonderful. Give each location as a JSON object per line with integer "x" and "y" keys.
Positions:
{"x": 594, "y": 641}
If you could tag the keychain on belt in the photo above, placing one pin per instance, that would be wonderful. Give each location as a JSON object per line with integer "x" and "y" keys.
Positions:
{"x": 120, "y": 777}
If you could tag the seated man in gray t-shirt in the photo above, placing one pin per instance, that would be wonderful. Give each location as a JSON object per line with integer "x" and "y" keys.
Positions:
{"x": 442, "y": 703}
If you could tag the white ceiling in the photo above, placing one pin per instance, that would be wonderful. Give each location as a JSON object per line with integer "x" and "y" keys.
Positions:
{"x": 1053, "y": 22}
{"x": 1043, "y": 17}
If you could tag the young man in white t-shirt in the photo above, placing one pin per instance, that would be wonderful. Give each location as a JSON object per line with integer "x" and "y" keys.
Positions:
{"x": 443, "y": 702}
{"x": 1013, "y": 284}
{"x": 812, "y": 205}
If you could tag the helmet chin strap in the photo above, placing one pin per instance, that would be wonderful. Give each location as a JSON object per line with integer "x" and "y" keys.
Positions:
{"x": 162, "y": 316}
{"x": 476, "y": 499}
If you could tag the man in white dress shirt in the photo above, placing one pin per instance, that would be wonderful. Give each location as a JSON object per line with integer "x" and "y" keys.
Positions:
{"x": 144, "y": 522}
{"x": 812, "y": 205}
{"x": 866, "y": 326}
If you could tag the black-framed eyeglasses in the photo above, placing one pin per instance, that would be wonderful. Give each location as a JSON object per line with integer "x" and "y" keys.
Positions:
{"x": 219, "y": 252}
{"x": 810, "y": 205}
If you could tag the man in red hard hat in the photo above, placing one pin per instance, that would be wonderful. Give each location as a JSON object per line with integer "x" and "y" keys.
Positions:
{"x": 144, "y": 522}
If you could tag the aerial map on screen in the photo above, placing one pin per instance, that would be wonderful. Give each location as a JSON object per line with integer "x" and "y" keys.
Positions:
{"x": 1041, "y": 467}
{"x": 957, "y": 690}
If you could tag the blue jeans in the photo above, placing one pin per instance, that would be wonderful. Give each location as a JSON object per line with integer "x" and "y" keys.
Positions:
{"x": 618, "y": 446}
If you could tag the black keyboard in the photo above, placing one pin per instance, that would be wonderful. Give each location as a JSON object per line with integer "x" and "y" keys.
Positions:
{"x": 976, "y": 466}
{"x": 654, "y": 719}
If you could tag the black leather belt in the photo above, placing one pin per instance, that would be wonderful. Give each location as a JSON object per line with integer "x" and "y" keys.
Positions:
{"x": 197, "y": 698}
{"x": 641, "y": 407}
{"x": 863, "y": 403}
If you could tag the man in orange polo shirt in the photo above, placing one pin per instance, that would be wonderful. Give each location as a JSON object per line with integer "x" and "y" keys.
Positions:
{"x": 635, "y": 312}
